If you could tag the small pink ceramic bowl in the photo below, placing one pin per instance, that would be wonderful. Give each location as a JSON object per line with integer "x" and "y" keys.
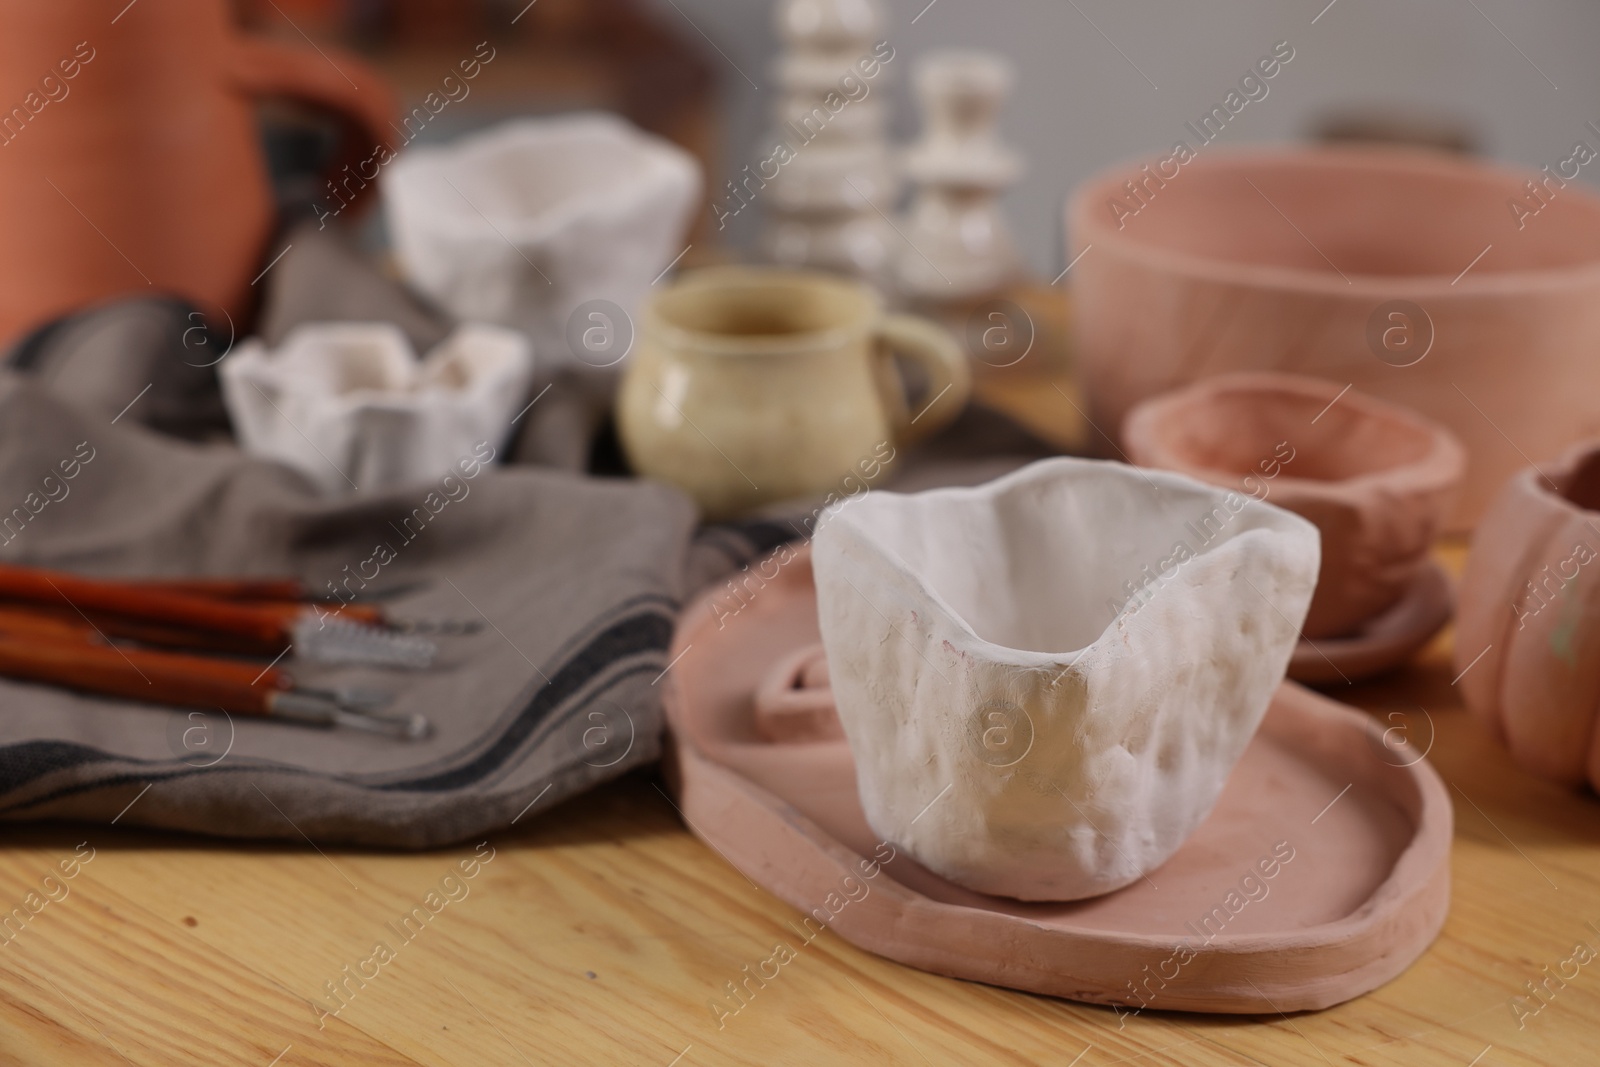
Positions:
{"x": 1376, "y": 479}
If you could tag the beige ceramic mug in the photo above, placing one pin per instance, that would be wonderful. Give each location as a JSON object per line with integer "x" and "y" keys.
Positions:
{"x": 753, "y": 384}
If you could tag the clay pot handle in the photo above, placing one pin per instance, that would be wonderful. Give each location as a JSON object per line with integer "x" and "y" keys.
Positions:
{"x": 328, "y": 78}
{"x": 949, "y": 376}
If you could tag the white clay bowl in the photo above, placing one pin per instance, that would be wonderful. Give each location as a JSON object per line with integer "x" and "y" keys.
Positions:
{"x": 524, "y": 223}
{"x": 1046, "y": 680}
{"x": 351, "y": 407}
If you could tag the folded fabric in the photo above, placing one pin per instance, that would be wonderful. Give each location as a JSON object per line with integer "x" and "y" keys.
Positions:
{"x": 351, "y": 407}
{"x": 146, "y": 360}
{"x": 578, "y": 580}
{"x": 324, "y": 277}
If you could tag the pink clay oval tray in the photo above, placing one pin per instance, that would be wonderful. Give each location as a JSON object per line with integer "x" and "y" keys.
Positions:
{"x": 1363, "y": 895}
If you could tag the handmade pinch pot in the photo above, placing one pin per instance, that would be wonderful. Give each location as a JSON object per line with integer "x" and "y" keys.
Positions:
{"x": 1378, "y": 481}
{"x": 351, "y": 407}
{"x": 530, "y": 222}
{"x": 1046, "y": 680}
{"x": 1528, "y": 626}
{"x": 1410, "y": 274}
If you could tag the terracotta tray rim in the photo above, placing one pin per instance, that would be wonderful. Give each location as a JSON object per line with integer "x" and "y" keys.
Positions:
{"x": 1430, "y": 839}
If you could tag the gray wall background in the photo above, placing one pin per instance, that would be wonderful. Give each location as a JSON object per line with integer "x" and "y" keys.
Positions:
{"x": 1523, "y": 75}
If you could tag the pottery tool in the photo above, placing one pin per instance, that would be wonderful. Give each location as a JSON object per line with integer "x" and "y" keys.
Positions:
{"x": 52, "y": 653}
{"x": 268, "y": 628}
{"x": 267, "y": 588}
{"x": 359, "y": 609}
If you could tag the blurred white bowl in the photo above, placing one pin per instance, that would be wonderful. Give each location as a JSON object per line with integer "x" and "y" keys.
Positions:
{"x": 351, "y": 407}
{"x": 522, "y": 224}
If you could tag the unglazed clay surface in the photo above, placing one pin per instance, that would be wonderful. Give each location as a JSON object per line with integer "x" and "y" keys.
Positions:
{"x": 1225, "y": 925}
{"x": 1078, "y": 630}
{"x": 1350, "y": 264}
{"x": 161, "y": 147}
{"x": 1386, "y": 641}
{"x": 1375, "y": 478}
{"x": 351, "y": 407}
{"x": 1528, "y": 631}
{"x": 529, "y": 222}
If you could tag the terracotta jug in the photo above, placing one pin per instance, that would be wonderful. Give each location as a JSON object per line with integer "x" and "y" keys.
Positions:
{"x": 130, "y": 160}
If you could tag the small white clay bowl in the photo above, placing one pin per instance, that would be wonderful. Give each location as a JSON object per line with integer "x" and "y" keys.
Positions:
{"x": 1377, "y": 480}
{"x": 1046, "y": 680}
{"x": 523, "y": 223}
{"x": 352, "y": 407}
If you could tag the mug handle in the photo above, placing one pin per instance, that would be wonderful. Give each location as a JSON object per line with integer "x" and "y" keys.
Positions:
{"x": 949, "y": 376}
{"x": 337, "y": 82}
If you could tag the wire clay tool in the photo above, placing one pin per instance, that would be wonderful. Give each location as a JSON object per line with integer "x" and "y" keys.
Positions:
{"x": 54, "y": 653}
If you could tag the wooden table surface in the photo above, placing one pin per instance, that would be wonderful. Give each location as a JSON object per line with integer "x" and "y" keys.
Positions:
{"x": 602, "y": 931}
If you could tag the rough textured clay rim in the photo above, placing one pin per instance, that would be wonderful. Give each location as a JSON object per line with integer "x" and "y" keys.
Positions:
{"x": 1442, "y": 466}
{"x": 791, "y": 856}
{"x": 1085, "y": 227}
{"x": 1175, "y": 481}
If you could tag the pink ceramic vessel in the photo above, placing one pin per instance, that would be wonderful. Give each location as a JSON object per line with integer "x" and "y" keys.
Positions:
{"x": 1375, "y": 479}
{"x": 1450, "y": 286}
{"x": 1528, "y": 630}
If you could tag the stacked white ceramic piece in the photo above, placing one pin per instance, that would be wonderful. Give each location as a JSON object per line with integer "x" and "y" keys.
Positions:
{"x": 828, "y": 205}
{"x": 958, "y": 244}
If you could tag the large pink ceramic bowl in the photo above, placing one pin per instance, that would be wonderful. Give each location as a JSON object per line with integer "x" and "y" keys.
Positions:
{"x": 1294, "y": 260}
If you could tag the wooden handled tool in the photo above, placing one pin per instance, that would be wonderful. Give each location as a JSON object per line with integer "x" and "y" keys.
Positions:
{"x": 143, "y": 675}
{"x": 269, "y": 622}
{"x": 52, "y": 653}
{"x": 287, "y": 589}
{"x": 348, "y": 633}
{"x": 46, "y": 620}
{"x": 290, "y": 589}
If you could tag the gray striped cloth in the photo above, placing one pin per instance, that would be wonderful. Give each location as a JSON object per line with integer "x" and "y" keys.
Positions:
{"x": 578, "y": 579}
